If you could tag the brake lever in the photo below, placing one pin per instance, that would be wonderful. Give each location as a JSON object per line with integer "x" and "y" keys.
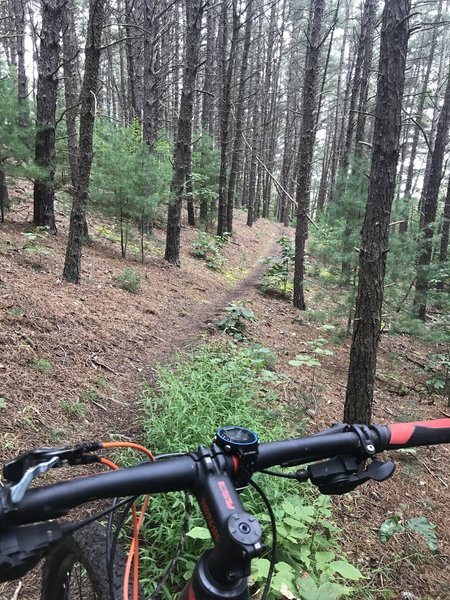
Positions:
{"x": 17, "y": 491}
{"x": 14, "y": 470}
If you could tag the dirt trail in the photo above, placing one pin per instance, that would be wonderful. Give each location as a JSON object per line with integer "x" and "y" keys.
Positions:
{"x": 205, "y": 315}
{"x": 81, "y": 353}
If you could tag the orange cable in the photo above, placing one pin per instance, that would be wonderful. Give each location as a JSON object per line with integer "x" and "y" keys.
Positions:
{"x": 133, "y": 554}
{"x": 129, "y": 445}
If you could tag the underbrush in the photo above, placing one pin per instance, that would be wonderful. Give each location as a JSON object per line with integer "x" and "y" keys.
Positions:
{"x": 224, "y": 385}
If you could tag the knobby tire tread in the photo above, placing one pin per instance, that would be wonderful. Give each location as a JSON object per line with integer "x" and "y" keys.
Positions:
{"x": 88, "y": 546}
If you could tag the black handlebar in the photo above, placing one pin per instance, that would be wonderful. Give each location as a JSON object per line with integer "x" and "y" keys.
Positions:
{"x": 182, "y": 473}
{"x": 211, "y": 474}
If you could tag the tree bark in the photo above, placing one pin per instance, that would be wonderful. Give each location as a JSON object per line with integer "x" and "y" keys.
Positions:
{"x": 71, "y": 86}
{"x": 255, "y": 119}
{"x": 225, "y": 110}
{"x": 72, "y": 264}
{"x": 22, "y": 91}
{"x": 210, "y": 63}
{"x": 403, "y": 227}
{"x": 306, "y": 148}
{"x": 375, "y": 232}
{"x": 430, "y": 206}
{"x": 47, "y": 87}
{"x": 151, "y": 79}
{"x": 3, "y": 195}
{"x": 445, "y": 233}
{"x": 237, "y": 148}
{"x": 194, "y": 10}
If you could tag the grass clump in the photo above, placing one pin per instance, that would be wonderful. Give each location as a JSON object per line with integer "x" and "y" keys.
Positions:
{"x": 43, "y": 365}
{"x": 225, "y": 385}
{"x": 129, "y": 280}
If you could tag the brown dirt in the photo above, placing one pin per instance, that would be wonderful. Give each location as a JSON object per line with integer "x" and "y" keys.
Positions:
{"x": 102, "y": 343}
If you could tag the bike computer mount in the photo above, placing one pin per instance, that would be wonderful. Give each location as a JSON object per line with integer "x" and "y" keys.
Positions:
{"x": 242, "y": 444}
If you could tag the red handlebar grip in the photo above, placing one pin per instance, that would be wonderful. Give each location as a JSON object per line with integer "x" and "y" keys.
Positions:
{"x": 419, "y": 433}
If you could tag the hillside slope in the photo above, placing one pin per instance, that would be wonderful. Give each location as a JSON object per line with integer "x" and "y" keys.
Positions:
{"x": 74, "y": 359}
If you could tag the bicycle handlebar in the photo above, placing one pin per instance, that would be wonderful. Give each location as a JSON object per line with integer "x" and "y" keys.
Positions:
{"x": 213, "y": 475}
{"x": 183, "y": 472}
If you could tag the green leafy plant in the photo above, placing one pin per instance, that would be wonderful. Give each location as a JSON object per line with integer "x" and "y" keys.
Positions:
{"x": 280, "y": 268}
{"x": 34, "y": 241}
{"x": 419, "y": 525}
{"x": 316, "y": 348}
{"x": 234, "y": 323}
{"x": 16, "y": 312}
{"x": 205, "y": 177}
{"x": 308, "y": 562}
{"x": 16, "y": 143}
{"x": 3, "y": 403}
{"x": 129, "y": 280}
{"x": 438, "y": 366}
{"x": 209, "y": 249}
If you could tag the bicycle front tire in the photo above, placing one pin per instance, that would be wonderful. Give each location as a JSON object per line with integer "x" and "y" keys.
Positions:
{"x": 76, "y": 568}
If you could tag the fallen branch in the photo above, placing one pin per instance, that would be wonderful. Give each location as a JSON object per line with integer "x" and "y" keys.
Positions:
{"x": 93, "y": 359}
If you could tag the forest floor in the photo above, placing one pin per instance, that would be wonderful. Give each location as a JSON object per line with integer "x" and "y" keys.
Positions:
{"x": 74, "y": 358}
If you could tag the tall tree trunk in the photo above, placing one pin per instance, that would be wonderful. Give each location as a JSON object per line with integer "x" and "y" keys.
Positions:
{"x": 131, "y": 62}
{"x": 430, "y": 205}
{"x": 445, "y": 233}
{"x": 44, "y": 193}
{"x": 306, "y": 148}
{"x": 71, "y": 85}
{"x": 237, "y": 148}
{"x": 253, "y": 162}
{"x": 418, "y": 118}
{"x": 72, "y": 264}
{"x": 225, "y": 110}
{"x": 194, "y": 10}
{"x": 151, "y": 79}
{"x": 22, "y": 93}
{"x": 367, "y": 31}
{"x": 375, "y": 232}
{"x": 358, "y": 117}
{"x": 3, "y": 195}
{"x": 210, "y": 63}
{"x": 338, "y": 124}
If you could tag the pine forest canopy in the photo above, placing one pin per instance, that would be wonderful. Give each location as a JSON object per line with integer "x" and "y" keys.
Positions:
{"x": 310, "y": 112}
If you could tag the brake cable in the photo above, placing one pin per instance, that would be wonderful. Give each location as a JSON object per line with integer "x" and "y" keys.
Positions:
{"x": 273, "y": 525}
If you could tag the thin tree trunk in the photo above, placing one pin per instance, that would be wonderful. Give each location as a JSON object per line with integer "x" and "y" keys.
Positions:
{"x": 237, "y": 148}
{"x": 445, "y": 233}
{"x": 375, "y": 232}
{"x": 22, "y": 92}
{"x": 3, "y": 195}
{"x": 71, "y": 86}
{"x": 194, "y": 10}
{"x": 403, "y": 227}
{"x": 72, "y": 264}
{"x": 306, "y": 149}
{"x": 44, "y": 193}
{"x": 210, "y": 63}
{"x": 252, "y": 162}
{"x": 225, "y": 110}
{"x": 151, "y": 79}
{"x": 430, "y": 206}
